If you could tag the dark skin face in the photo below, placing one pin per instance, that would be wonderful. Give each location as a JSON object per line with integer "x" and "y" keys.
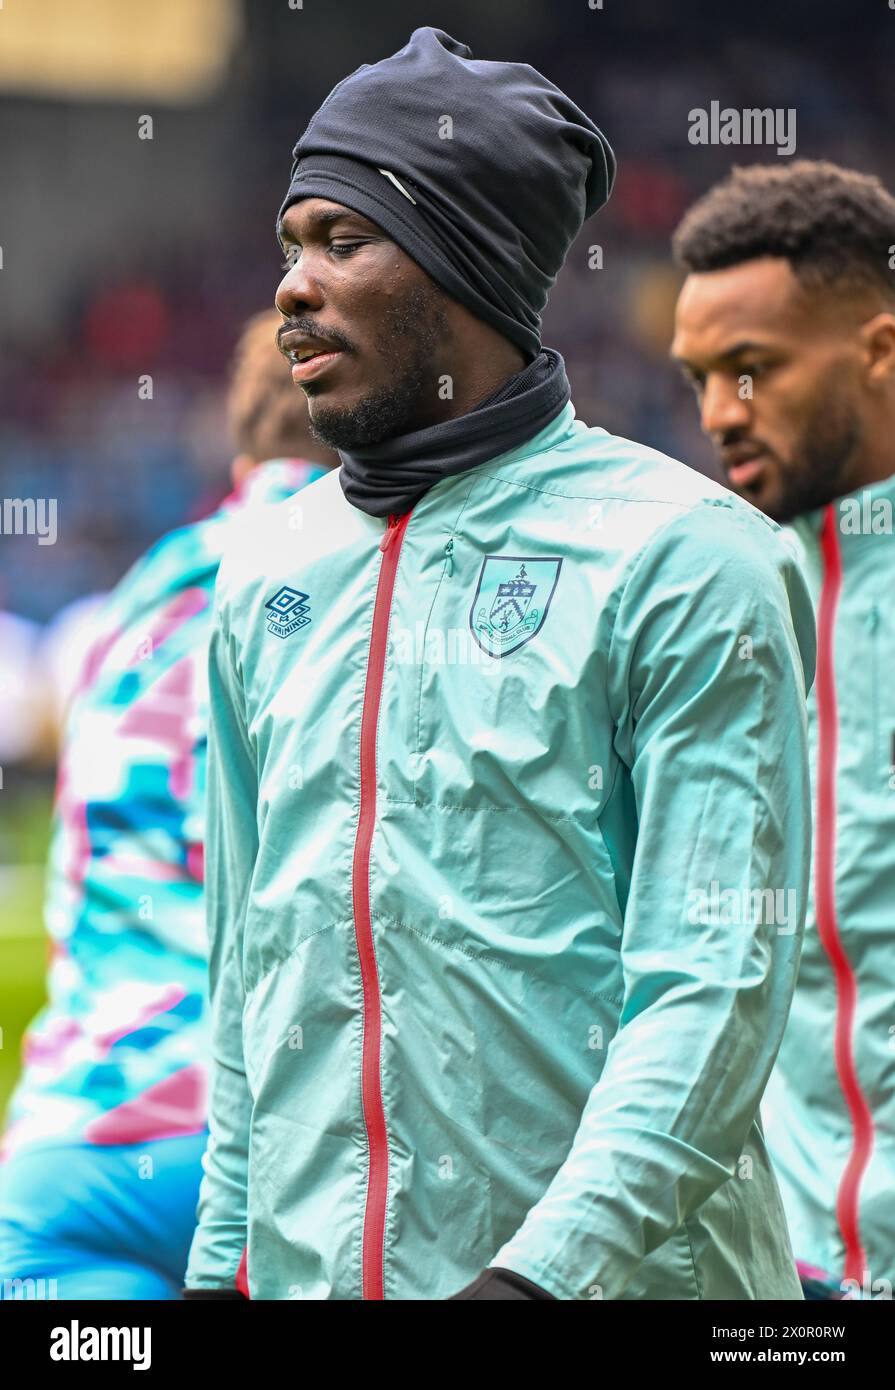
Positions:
{"x": 399, "y": 334}
{"x": 821, "y": 416}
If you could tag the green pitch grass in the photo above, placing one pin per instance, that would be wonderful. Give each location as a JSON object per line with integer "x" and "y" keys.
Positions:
{"x": 24, "y": 832}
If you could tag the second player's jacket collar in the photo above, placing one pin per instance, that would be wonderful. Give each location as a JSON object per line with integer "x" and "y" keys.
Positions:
{"x": 866, "y": 512}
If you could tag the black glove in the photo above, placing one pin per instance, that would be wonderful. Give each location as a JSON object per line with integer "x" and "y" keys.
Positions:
{"x": 213, "y": 1293}
{"x": 501, "y": 1284}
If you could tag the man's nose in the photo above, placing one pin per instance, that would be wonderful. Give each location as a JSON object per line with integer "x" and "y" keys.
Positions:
{"x": 298, "y": 290}
{"x": 723, "y": 408}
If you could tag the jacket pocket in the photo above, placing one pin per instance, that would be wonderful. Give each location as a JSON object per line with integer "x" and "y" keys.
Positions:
{"x": 882, "y": 701}
{"x": 508, "y": 700}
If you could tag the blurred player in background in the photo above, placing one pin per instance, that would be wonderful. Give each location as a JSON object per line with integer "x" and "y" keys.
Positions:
{"x": 25, "y": 707}
{"x": 786, "y": 327}
{"x": 106, "y": 1129}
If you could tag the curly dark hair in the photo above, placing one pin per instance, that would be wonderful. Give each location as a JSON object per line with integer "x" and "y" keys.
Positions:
{"x": 835, "y": 226}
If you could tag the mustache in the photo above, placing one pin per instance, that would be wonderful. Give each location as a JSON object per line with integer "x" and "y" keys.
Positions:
{"x": 734, "y": 447}
{"x": 729, "y": 441}
{"x": 308, "y": 329}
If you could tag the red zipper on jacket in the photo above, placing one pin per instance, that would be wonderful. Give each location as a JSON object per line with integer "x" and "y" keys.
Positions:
{"x": 825, "y": 904}
{"x": 371, "y": 1089}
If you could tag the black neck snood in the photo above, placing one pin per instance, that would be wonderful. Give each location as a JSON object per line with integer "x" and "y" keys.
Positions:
{"x": 391, "y": 477}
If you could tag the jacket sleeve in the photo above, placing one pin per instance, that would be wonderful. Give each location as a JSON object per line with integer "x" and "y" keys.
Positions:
{"x": 231, "y": 849}
{"x": 711, "y": 656}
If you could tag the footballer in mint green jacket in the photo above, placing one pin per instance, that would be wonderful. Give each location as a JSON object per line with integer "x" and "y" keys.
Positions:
{"x": 508, "y": 848}
{"x": 786, "y": 327}
{"x": 830, "y": 1123}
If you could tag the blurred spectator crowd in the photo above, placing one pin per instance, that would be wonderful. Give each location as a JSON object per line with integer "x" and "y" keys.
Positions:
{"x": 118, "y": 412}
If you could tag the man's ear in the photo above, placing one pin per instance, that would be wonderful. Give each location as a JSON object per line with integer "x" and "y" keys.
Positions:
{"x": 240, "y": 468}
{"x": 877, "y": 337}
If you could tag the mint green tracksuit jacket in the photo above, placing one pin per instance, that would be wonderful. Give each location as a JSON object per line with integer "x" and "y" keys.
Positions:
{"x": 830, "y": 1106}
{"x": 508, "y": 851}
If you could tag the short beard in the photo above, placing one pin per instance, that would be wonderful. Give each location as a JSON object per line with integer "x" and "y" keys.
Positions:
{"x": 411, "y": 335}
{"x": 828, "y": 447}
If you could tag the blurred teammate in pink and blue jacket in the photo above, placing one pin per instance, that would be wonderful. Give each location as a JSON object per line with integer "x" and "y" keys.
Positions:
{"x": 107, "y": 1126}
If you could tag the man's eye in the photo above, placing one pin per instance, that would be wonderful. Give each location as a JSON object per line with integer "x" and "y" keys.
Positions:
{"x": 340, "y": 249}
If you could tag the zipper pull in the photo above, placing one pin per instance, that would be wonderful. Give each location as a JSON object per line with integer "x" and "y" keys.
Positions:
{"x": 396, "y": 522}
{"x": 449, "y": 555}
{"x": 390, "y": 532}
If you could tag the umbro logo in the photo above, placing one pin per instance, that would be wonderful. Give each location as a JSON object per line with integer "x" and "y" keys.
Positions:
{"x": 288, "y": 611}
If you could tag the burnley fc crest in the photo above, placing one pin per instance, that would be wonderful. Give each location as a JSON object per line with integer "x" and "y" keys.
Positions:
{"x": 511, "y": 601}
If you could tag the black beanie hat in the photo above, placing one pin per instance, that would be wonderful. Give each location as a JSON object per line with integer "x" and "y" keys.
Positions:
{"x": 483, "y": 172}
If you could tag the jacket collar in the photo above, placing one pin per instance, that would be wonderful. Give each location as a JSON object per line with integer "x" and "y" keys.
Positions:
{"x": 270, "y": 479}
{"x": 868, "y": 511}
